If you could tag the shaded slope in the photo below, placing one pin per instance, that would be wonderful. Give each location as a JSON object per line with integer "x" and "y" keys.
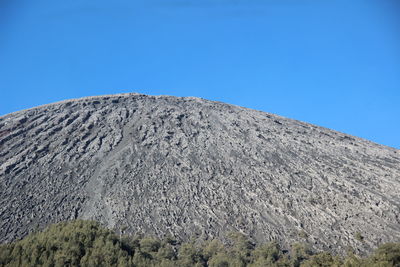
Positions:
{"x": 188, "y": 166}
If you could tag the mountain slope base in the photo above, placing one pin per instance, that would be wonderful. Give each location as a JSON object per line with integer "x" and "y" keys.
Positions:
{"x": 86, "y": 243}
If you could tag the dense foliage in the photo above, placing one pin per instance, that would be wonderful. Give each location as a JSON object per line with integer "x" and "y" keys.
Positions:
{"x": 86, "y": 243}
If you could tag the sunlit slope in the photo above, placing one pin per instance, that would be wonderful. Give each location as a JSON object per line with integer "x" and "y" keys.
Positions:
{"x": 188, "y": 166}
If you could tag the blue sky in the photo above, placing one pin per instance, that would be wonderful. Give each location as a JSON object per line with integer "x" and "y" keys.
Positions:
{"x": 332, "y": 63}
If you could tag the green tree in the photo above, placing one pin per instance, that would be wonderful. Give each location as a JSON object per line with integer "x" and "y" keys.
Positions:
{"x": 190, "y": 255}
{"x": 241, "y": 248}
{"x": 386, "y": 255}
{"x": 323, "y": 259}
{"x": 298, "y": 253}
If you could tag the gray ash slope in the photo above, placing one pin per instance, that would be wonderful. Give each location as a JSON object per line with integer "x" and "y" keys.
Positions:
{"x": 187, "y": 166}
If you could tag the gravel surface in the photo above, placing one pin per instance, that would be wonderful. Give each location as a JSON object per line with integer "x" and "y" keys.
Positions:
{"x": 189, "y": 167}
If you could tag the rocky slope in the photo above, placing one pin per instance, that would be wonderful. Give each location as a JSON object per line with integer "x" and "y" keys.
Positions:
{"x": 187, "y": 166}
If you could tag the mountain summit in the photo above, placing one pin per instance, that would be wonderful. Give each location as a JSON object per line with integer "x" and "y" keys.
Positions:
{"x": 187, "y": 167}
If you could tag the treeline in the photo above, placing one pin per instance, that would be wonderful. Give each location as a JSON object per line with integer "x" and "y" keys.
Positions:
{"x": 87, "y": 243}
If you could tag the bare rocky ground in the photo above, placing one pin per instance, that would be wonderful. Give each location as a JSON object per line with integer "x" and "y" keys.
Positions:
{"x": 191, "y": 167}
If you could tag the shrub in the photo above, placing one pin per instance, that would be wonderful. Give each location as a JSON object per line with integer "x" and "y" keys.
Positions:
{"x": 358, "y": 236}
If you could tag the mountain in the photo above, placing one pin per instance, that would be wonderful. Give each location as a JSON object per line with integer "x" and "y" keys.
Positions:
{"x": 163, "y": 165}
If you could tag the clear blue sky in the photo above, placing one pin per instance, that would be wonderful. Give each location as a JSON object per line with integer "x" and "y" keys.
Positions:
{"x": 332, "y": 63}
